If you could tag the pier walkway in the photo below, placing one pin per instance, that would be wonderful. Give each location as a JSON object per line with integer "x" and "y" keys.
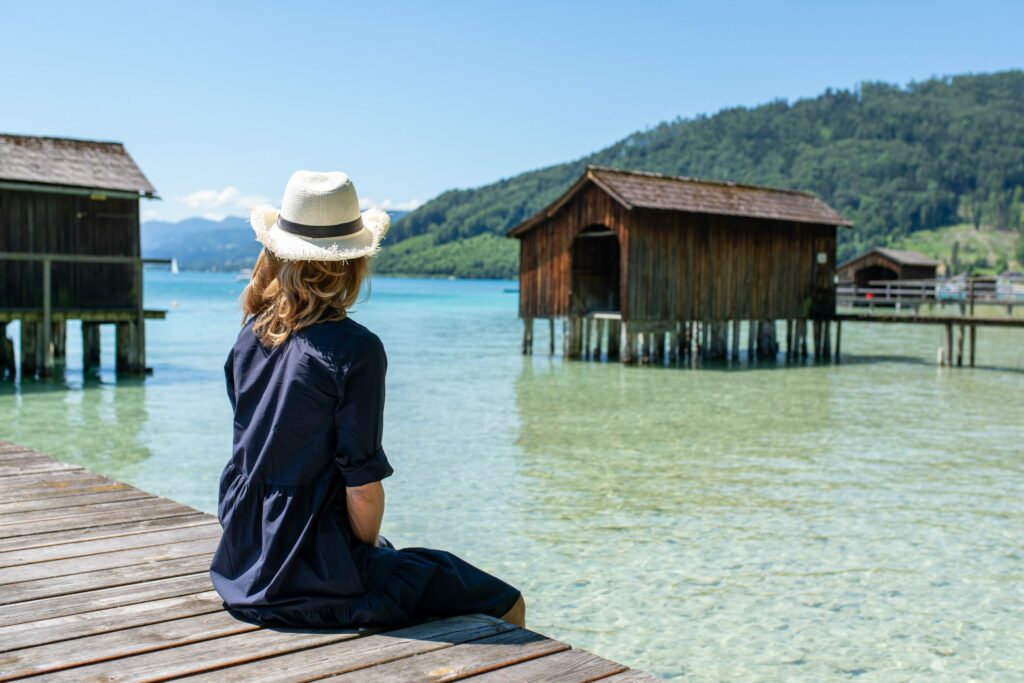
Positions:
{"x": 102, "y": 581}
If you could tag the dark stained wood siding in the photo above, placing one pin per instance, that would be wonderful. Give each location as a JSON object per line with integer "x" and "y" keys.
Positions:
{"x": 545, "y": 257}
{"x": 685, "y": 266}
{"x": 39, "y": 222}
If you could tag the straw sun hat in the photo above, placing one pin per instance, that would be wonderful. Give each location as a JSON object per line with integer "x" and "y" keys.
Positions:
{"x": 319, "y": 220}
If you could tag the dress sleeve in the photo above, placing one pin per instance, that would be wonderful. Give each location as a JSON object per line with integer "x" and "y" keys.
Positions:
{"x": 229, "y": 377}
{"x": 359, "y": 418}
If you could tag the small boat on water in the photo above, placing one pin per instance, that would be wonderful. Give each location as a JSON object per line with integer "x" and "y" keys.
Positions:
{"x": 174, "y": 266}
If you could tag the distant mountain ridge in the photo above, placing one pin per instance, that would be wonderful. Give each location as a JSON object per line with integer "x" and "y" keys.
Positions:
{"x": 203, "y": 244}
{"x": 892, "y": 159}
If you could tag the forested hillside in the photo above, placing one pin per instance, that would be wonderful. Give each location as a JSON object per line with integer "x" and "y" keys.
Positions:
{"x": 893, "y": 159}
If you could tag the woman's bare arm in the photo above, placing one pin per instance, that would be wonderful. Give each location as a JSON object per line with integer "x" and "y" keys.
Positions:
{"x": 365, "y": 510}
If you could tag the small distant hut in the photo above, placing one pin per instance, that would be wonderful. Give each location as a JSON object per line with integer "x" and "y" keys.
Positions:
{"x": 69, "y": 250}
{"x": 881, "y": 263}
{"x": 625, "y": 253}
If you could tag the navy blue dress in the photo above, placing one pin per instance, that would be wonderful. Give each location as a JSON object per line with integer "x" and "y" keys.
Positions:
{"x": 308, "y": 423}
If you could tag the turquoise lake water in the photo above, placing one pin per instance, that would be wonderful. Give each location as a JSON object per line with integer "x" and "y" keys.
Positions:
{"x": 862, "y": 520}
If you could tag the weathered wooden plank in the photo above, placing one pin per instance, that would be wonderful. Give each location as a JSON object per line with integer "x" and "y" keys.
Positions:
{"x": 30, "y": 504}
{"x": 463, "y": 660}
{"x": 54, "y": 480}
{"x": 25, "y": 457}
{"x": 93, "y": 520}
{"x": 105, "y": 578}
{"x": 49, "y": 489}
{"x": 183, "y": 657}
{"x": 79, "y": 549}
{"x": 58, "y": 657}
{"x": 6, "y": 447}
{"x": 133, "y": 527}
{"x": 16, "y": 470}
{"x": 361, "y": 653}
{"x": 126, "y": 507}
{"x": 568, "y": 666}
{"x": 53, "y": 569}
{"x": 34, "y": 633}
{"x": 103, "y": 598}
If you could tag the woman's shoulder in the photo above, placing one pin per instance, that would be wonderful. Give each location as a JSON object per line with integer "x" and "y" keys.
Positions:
{"x": 342, "y": 341}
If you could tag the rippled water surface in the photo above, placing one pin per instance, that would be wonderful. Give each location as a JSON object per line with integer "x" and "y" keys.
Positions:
{"x": 862, "y": 520}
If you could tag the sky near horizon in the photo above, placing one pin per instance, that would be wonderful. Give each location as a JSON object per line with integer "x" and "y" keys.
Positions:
{"x": 219, "y": 102}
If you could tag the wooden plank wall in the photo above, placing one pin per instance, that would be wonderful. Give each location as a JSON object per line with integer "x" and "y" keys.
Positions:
{"x": 38, "y": 222}
{"x": 545, "y": 255}
{"x": 705, "y": 267}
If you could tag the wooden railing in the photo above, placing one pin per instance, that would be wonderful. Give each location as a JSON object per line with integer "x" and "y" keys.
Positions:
{"x": 965, "y": 292}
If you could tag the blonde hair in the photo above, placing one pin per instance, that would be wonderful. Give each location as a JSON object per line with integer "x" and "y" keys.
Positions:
{"x": 286, "y": 296}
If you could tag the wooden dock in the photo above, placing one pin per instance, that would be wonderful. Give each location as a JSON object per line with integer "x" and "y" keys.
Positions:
{"x": 102, "y": 581}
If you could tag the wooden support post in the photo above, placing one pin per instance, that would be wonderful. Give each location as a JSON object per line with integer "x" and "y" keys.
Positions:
{"x": 140, "y": 323}
{"x": 974, "y": 339}
{"x": 59, "y": 340}
{"x": 673, "y": 345}
{"x": 626, "y": 352}
{"x": 816, "y": 334}
{"x": 960, "y": 346}
{"x": 789, "y": 339}
{"x": 735, "y": 340}
{"x": 948, "y": 355}
{"x": 527, "y": 336}
{"x": 719, "y": 346}
{"x": 566, "y": 336}
{"x": 575, "y": 337}
{"x": 45, "y": 348}
{"x": 801, "y": 334}
{"x": 614, "y": 338}
{"x": 658, "y": 347}
{"x": 90, "y": 346}
{"x": 751, "y": 339}
{"x": 124, "y": 349}
{"x": 767, "y": 346}
{"x": 839, "y": 338}
{"x": 30, "y": 356}
{"x": 8, "y": 365}
{"x": 551, "y": 336}
{"x": 826, "y": 339}
{"x": 585, "y": 324}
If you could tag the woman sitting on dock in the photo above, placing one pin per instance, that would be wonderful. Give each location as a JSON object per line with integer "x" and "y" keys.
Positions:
{"x": 301, "y": 500}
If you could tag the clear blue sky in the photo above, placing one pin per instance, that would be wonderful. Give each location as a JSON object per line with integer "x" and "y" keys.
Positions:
{"x": 219, "y": 102}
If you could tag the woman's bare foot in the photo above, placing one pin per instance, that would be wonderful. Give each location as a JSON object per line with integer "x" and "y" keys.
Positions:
{"x": 517, "y": 615}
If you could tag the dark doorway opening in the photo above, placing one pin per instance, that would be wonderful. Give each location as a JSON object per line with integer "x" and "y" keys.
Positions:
{"x": 873, "y": 273}
{"x": 595, "y": 271}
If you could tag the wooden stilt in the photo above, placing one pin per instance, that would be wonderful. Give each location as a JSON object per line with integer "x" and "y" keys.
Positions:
{"x": 59, "y": 340}
{"x": 839, "y": 337}
{"x": 789, "y": 339}
{"x": 124, "y": 349}
{"x": 8, "y": 365}
{"x": 960, "y": 346}
{"x": 527, "y": 336}
{"x": 801, "y": 333}
{"x": 626, "y": 354}
{"x": 576, "y": 337}
{"x": 551, "y": 336}
{"x": 614, "y": 338}
{"x": 566, "y": 337}
{"x": 816, "y": 338}
{"x": 974, "y": 338}
{"x": 30, "y": 356}
{"x": 673, "y": 345}
{"x": 735, "y": 340}
{"x": 767, "y": 346}
{"x": 46, "y": 326}
{"x": 90, "y": 346}
{"x": 948, "y": 359}
{"x": 719, "y": 344}
{"x": 826, "y": 339}
{"x": 751, "y": 341}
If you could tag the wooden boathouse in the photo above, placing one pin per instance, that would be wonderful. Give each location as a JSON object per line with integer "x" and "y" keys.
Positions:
{"x": 881, "y": 264}
{"x": 70, "y": 250}
{"x": 641, "y": 266}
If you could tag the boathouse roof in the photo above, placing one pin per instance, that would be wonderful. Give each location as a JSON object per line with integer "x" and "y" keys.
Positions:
{"x": 637, "y": 189}
{"x": 67, "y": 162}
{"x": 903, "y": 257}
